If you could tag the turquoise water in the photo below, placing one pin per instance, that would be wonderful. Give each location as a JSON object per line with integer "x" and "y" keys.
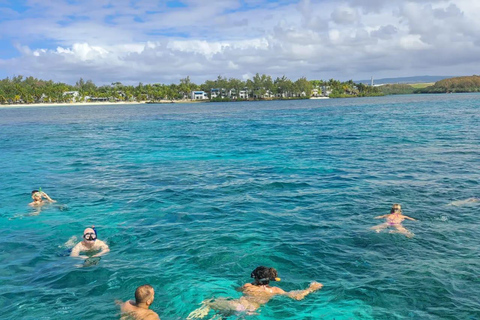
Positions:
{"x": 191, "y": 198}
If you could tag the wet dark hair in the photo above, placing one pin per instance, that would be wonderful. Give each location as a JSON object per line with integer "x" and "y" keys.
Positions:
{"x": 143, "y": 293}
{"x": 34, "y": 191}
{"x": 263, "y": 274}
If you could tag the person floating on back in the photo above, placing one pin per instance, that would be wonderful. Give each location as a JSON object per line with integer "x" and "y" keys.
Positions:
{"x": 459, "y": 203}
{"x": 37, "y": 196}
{"x": 139, "y": 309}
{"x": 394, "y": 219}
{"x": 254, "y": 295}
{"x": 90, "y": 244}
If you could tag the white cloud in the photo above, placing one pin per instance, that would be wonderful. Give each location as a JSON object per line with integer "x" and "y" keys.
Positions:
{"x": 109, "y": 41}
{"x": 345, "y": 15}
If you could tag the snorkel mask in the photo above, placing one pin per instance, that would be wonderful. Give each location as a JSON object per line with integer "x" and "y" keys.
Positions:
{"x": 268, "y": 279}
{"x": 91, "y": 236}
{"x": 37, "y": 193}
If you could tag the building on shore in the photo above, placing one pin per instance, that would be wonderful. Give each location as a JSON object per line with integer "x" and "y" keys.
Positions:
{"x": 198, "y": 95}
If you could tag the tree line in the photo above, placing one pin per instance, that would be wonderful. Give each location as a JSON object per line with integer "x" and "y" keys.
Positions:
{"x": 32, "y": 90}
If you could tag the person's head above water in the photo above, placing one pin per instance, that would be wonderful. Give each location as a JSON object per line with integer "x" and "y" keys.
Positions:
{"x": 396, "y": 208}
{"x": 89, "y": 234}
{"x": 264, "y": 275}
{"x": 144, "y": 294}
{"x": 36, "y": 195}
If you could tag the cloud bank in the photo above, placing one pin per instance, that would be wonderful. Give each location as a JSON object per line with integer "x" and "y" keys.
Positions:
{"x": 161, "y": 42}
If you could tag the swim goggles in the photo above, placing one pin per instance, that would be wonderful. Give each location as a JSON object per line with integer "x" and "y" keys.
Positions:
{"x": 90, "y": 236}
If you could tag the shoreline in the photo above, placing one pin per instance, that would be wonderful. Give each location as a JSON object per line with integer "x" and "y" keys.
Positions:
{"x": 74, "y": 104}
{"x": 64, "y": 104}
{"x": 106, "y": 103}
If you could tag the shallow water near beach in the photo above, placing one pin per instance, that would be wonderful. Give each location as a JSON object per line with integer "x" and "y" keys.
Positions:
{"x": 192, "y": 197}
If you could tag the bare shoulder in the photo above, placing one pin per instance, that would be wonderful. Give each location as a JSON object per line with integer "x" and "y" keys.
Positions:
{"x": 249, "y": 288}
{"x": 152, "y": 315}
{"x": 76, "y": 249}
{"x": 278, "y": 290}
{"x": 126, "y": 306}
{"x": 100, "y": 244}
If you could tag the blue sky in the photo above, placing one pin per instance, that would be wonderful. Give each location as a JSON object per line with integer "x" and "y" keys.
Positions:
{"x": 163, "y": 41}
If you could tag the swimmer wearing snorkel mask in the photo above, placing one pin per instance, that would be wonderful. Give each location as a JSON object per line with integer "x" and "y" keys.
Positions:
{"x": 90, "y": 244}
{"x": 254, "y": 295}
{"x": 37, "y": 196}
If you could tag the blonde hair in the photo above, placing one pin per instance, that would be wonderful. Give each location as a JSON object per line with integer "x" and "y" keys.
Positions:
{"x": 396, "y": 208}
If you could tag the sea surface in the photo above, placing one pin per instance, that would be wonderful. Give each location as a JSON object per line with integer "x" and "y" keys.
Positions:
{"x": 192, "y": 197}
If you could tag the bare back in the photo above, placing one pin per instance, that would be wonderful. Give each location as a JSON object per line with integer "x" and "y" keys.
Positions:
{"x": 260, "y": 294}
{"x": 131, "y": 312}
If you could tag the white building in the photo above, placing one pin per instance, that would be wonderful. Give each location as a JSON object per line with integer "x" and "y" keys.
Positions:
{"x": 198, "y": 95}
{"x": 243, "y": 94}
{"x": 72, "y": 94}
{"x": 214, "y": 93}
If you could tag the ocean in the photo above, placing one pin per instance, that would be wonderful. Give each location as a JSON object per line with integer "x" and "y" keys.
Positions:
{"x": 192, "y": 197}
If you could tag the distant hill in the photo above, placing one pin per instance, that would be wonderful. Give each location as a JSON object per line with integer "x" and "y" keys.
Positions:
{"x": 417, "y": 79}
{"x": 457, "y": 84}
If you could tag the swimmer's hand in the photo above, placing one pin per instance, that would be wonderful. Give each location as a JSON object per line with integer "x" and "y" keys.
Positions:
{"x": 47, "y": 197}
{"x": 300, "y": 294}
{"x": 314, "y": 286}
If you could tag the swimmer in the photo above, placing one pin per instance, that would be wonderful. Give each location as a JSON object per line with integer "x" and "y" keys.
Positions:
{"x": 37, "y": 196}
{"x": 90, "y": 244}
{"x": 459, "y": 203}
{"x": 254, "y": 295}
{"x": 138, "y": 309}
{"x": 394, "y": 219}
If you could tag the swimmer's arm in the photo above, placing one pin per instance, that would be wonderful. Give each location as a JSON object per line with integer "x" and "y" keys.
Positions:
{"x": 103, "y": 247}
{"x": 242, "y": 288}
{"x": 76, "y": 251}
{"x": 300, "y": 294}
{"x": 380, "y": 217}
{"x": 48, "y": 198}
{"x": 407, "y": 217}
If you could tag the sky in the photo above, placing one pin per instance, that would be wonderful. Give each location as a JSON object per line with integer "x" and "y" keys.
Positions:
{"x": 134, "y": 41}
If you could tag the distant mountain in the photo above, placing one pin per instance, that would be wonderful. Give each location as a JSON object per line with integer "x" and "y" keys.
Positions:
{"x": 417, "y": 79}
